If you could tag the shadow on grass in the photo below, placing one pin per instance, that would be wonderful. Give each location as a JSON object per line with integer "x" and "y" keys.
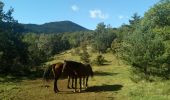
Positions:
{"x": 103, "y": 65}
{"x": 4, "y": 78}
{"x": 104, "y": 88}
{"x": 99, "y": 73}
{"x": 19, "y": 78}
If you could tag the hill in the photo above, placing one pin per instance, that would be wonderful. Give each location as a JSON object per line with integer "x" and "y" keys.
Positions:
{"x": 54, "y": 27}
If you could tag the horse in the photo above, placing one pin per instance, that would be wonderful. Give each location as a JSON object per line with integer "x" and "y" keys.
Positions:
{"x": 77, "y": 70}
{"x": 88, "y": 72}
{"x": 57, "y": 72}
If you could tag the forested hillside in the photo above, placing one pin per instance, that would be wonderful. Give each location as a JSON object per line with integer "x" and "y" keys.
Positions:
{"x": 54, "y": 27}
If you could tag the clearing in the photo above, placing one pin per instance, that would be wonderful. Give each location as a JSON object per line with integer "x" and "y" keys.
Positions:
{"x": 110, "y": 82}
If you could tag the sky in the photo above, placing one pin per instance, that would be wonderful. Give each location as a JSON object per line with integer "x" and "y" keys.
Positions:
{"x": 87, "y": 13}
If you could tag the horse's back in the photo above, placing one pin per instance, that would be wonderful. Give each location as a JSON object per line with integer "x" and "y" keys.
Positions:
{"x": 75, "y": 66}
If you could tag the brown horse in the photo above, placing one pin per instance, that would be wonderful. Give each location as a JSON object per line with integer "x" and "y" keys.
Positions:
{"x": 57, "y": 72}
{"x": 78, "y": 70}
{"x": 88, "y": 72}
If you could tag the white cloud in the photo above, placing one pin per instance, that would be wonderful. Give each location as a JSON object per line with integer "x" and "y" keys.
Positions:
{"x": 75, "y": 8}
{"x": 98, "y": 14}
{"x": 122, "y": 17}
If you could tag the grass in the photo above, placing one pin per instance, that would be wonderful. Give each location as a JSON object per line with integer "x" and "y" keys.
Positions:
{"x": 110, "y": 82}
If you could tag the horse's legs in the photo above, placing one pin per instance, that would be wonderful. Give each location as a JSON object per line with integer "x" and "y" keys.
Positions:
{"x": 87, "y": 81}
{"x": 68, "y": 85}
{"x": 73, "y": 82}
{"x": 80, "y": 83}
{"x": 83, "y": 82}
{"x": 55, "y": 86}
{"x": 55, "y": 81}
{"x": 56, "y": 77}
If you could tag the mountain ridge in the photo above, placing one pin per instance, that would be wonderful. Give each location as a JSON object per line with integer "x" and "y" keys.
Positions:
{"x": 54, "y": 27}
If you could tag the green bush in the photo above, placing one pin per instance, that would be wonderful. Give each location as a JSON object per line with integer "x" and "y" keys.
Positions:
{"x": 146, "y": 49}
{"x": 100, "y": 60}
{"x": 146, "y": 53}
{"x": 84, "y": 56}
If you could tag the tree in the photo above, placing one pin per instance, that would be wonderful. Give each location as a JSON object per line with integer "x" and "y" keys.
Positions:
{"x": 99, "y": 40}
{"x": 146, "y": 49}
{"x": 159, "y": 14}
{"x": 13, "y": 50}
{"x": 42, "y": 46}
{"x": 103, "y": 38}
{"x": 135, "y": 19}
{"x": 85, "y": 55}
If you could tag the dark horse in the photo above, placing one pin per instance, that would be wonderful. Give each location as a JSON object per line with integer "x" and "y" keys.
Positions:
{"x": 88, "y": 72}
{"x": 77, "y": 70}
{"x": 57, "y": 72}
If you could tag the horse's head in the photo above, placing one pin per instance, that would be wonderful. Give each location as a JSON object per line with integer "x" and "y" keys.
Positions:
{"x": 91, "y": 70}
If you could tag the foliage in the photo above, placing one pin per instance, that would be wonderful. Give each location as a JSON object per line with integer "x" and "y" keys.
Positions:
{"x": 134, "y": 21}
{"x": 42, "y": 46}
{"x": 146, "y": 47}
{"x": 103, "y": 38}
{"x": 13, "y": 51}
{"x": 144, "y": 52}
{"x": 84, "y": 56}
{"x": 159, "y": 14}
{"x": 100, "y": 60}
{"x": 76, "y": 38}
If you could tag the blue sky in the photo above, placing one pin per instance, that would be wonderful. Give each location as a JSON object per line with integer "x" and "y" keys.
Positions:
{"x": 87, "y": 13}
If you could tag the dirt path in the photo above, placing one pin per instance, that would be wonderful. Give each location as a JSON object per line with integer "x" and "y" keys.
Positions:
{"x": 33, "y": 90}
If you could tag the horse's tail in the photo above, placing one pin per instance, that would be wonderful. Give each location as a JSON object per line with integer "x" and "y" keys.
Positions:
{"x": 47, "y": 72}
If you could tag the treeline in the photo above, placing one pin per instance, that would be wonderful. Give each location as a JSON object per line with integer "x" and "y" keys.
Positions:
{"x": 145, "y": 43}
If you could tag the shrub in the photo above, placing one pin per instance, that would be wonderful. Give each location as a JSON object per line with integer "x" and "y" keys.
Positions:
{"x": 100, "y": 60}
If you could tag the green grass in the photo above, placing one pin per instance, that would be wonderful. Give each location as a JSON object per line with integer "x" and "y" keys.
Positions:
{"x": 111, "y": 81}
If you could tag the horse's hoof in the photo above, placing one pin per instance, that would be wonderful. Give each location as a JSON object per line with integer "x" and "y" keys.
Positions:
{"x": 55, "y": 91}
{"x": 74, "y": 91}
{"x": 79, "y": 91}
{"x": 69, "y": 87}
{"x": 46, "y": 86}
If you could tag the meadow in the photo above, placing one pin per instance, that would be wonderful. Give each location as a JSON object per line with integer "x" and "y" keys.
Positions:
{"x": 136, "y": 52}
{"x": 110, "y": 82}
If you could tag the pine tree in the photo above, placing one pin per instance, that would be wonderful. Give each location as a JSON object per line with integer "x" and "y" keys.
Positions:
{"x": 85, "y": 55}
